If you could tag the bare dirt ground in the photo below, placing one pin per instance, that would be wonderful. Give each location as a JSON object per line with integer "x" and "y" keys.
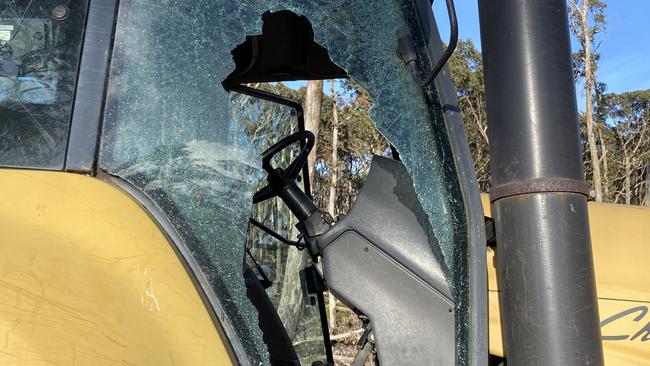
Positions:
{"x": 345, "y": 336}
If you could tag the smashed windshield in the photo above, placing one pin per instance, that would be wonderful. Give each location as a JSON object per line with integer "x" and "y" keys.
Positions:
{"x": 171, "y": 130}
{"x": 40, "y": 43}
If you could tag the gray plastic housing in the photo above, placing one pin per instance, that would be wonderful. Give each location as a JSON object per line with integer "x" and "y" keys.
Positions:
{"x": 383, "y": 259}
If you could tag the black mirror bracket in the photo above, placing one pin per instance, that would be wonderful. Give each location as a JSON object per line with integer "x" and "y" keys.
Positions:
{"x": 406, "y": 48}
{"x": 312, "y": 227}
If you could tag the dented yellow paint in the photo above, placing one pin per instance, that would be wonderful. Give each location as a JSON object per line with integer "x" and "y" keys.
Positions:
{"x": 620, "y": 237}
{"x": 87, "y": 278}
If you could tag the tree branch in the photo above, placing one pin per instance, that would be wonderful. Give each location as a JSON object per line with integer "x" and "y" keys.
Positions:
{"x": 340, "y": 336}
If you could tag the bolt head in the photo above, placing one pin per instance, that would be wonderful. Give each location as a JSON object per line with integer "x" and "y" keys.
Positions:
{"x": 60, "y": 12}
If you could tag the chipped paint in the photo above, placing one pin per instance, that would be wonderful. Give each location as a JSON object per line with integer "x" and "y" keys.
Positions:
{"x": 150, "y": 302}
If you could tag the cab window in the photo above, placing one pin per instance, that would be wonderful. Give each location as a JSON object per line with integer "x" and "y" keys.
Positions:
{"x": 280, "y": 265}
{"x": 40, "y": 43}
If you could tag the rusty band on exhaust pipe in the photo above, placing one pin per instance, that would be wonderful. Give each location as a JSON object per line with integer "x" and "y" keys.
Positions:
{"x": 538, "y": 186}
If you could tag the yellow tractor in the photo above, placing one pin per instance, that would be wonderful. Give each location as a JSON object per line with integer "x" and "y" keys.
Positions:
{"x": 156, "y": 207}
{"x": 619, "y": 240}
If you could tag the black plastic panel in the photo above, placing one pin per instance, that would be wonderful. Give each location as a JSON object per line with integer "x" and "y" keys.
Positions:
{"x": 383, "y": 259}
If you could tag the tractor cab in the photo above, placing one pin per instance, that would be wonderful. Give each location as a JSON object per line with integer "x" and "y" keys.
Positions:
{"x": 167, "y": 103}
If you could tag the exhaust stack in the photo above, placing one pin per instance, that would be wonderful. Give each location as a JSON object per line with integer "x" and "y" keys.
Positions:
{"x": 549, "y": 308}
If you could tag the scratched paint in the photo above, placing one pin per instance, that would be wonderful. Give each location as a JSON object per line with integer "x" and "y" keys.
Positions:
{"x": 148, "y": 299}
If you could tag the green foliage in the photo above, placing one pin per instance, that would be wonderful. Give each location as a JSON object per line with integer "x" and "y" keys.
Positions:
{"x": 587, "y": 19}
{"x": 626, "y": 136}
{"x": 358, "y": 142}
{"x": 595, "y": 16}
{"x": 623, "y": 130}
{"x": 467, "y": 72}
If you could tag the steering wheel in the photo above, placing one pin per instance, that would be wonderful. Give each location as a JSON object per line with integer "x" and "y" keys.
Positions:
{"x": 280, "y": 179}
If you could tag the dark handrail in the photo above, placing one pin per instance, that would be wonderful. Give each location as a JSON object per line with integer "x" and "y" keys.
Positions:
{"x": 407, "y": 49}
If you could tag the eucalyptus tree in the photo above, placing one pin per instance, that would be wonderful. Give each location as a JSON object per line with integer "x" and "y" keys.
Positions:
{"x": 629, "y": 120}
{"x": 587, "y": 20}
{"x": 467, "y": 72}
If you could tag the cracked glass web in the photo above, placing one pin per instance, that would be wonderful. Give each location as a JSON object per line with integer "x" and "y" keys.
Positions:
{"x": 170, "y": 129}
{"x": 39, "y": 57}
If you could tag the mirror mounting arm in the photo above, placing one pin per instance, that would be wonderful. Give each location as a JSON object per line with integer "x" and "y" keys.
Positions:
{"x": 409, "y": 55}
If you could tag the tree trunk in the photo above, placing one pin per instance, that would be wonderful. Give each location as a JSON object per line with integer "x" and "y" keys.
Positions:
{"x": 605, "y": 166}
{"x": 627, "y": 183}
{"x": 589, "y": 116}
{"x": 313, "y": 102}
{"x": 335, "y": 155}
{"x": 647, "y": 184}
{"x": 331, "y": 205}
{"x": 349, "y": 195}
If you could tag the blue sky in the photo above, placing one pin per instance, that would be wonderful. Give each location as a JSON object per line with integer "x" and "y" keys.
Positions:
{"x": 624, "y": 48}
{"x": 301, "y": 83}
{"x": 341, "y": 93}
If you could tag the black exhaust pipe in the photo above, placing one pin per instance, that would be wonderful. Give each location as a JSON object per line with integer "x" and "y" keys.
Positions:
{"x": 549, "y": 309}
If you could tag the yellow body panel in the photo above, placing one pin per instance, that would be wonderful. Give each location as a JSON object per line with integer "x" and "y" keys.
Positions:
{"x": 620, "y": 237}
{"x": 87, "y": 278}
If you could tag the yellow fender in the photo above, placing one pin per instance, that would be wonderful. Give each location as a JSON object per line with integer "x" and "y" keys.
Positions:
{"x": 620, "y": 239}
{"x": 87, "y": 278}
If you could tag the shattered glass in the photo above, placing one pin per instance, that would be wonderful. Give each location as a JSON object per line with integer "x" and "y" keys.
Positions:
{"x": 170, "y": 128}
{"x": 39, "y": 56}
{"x": 266, "y": 123}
